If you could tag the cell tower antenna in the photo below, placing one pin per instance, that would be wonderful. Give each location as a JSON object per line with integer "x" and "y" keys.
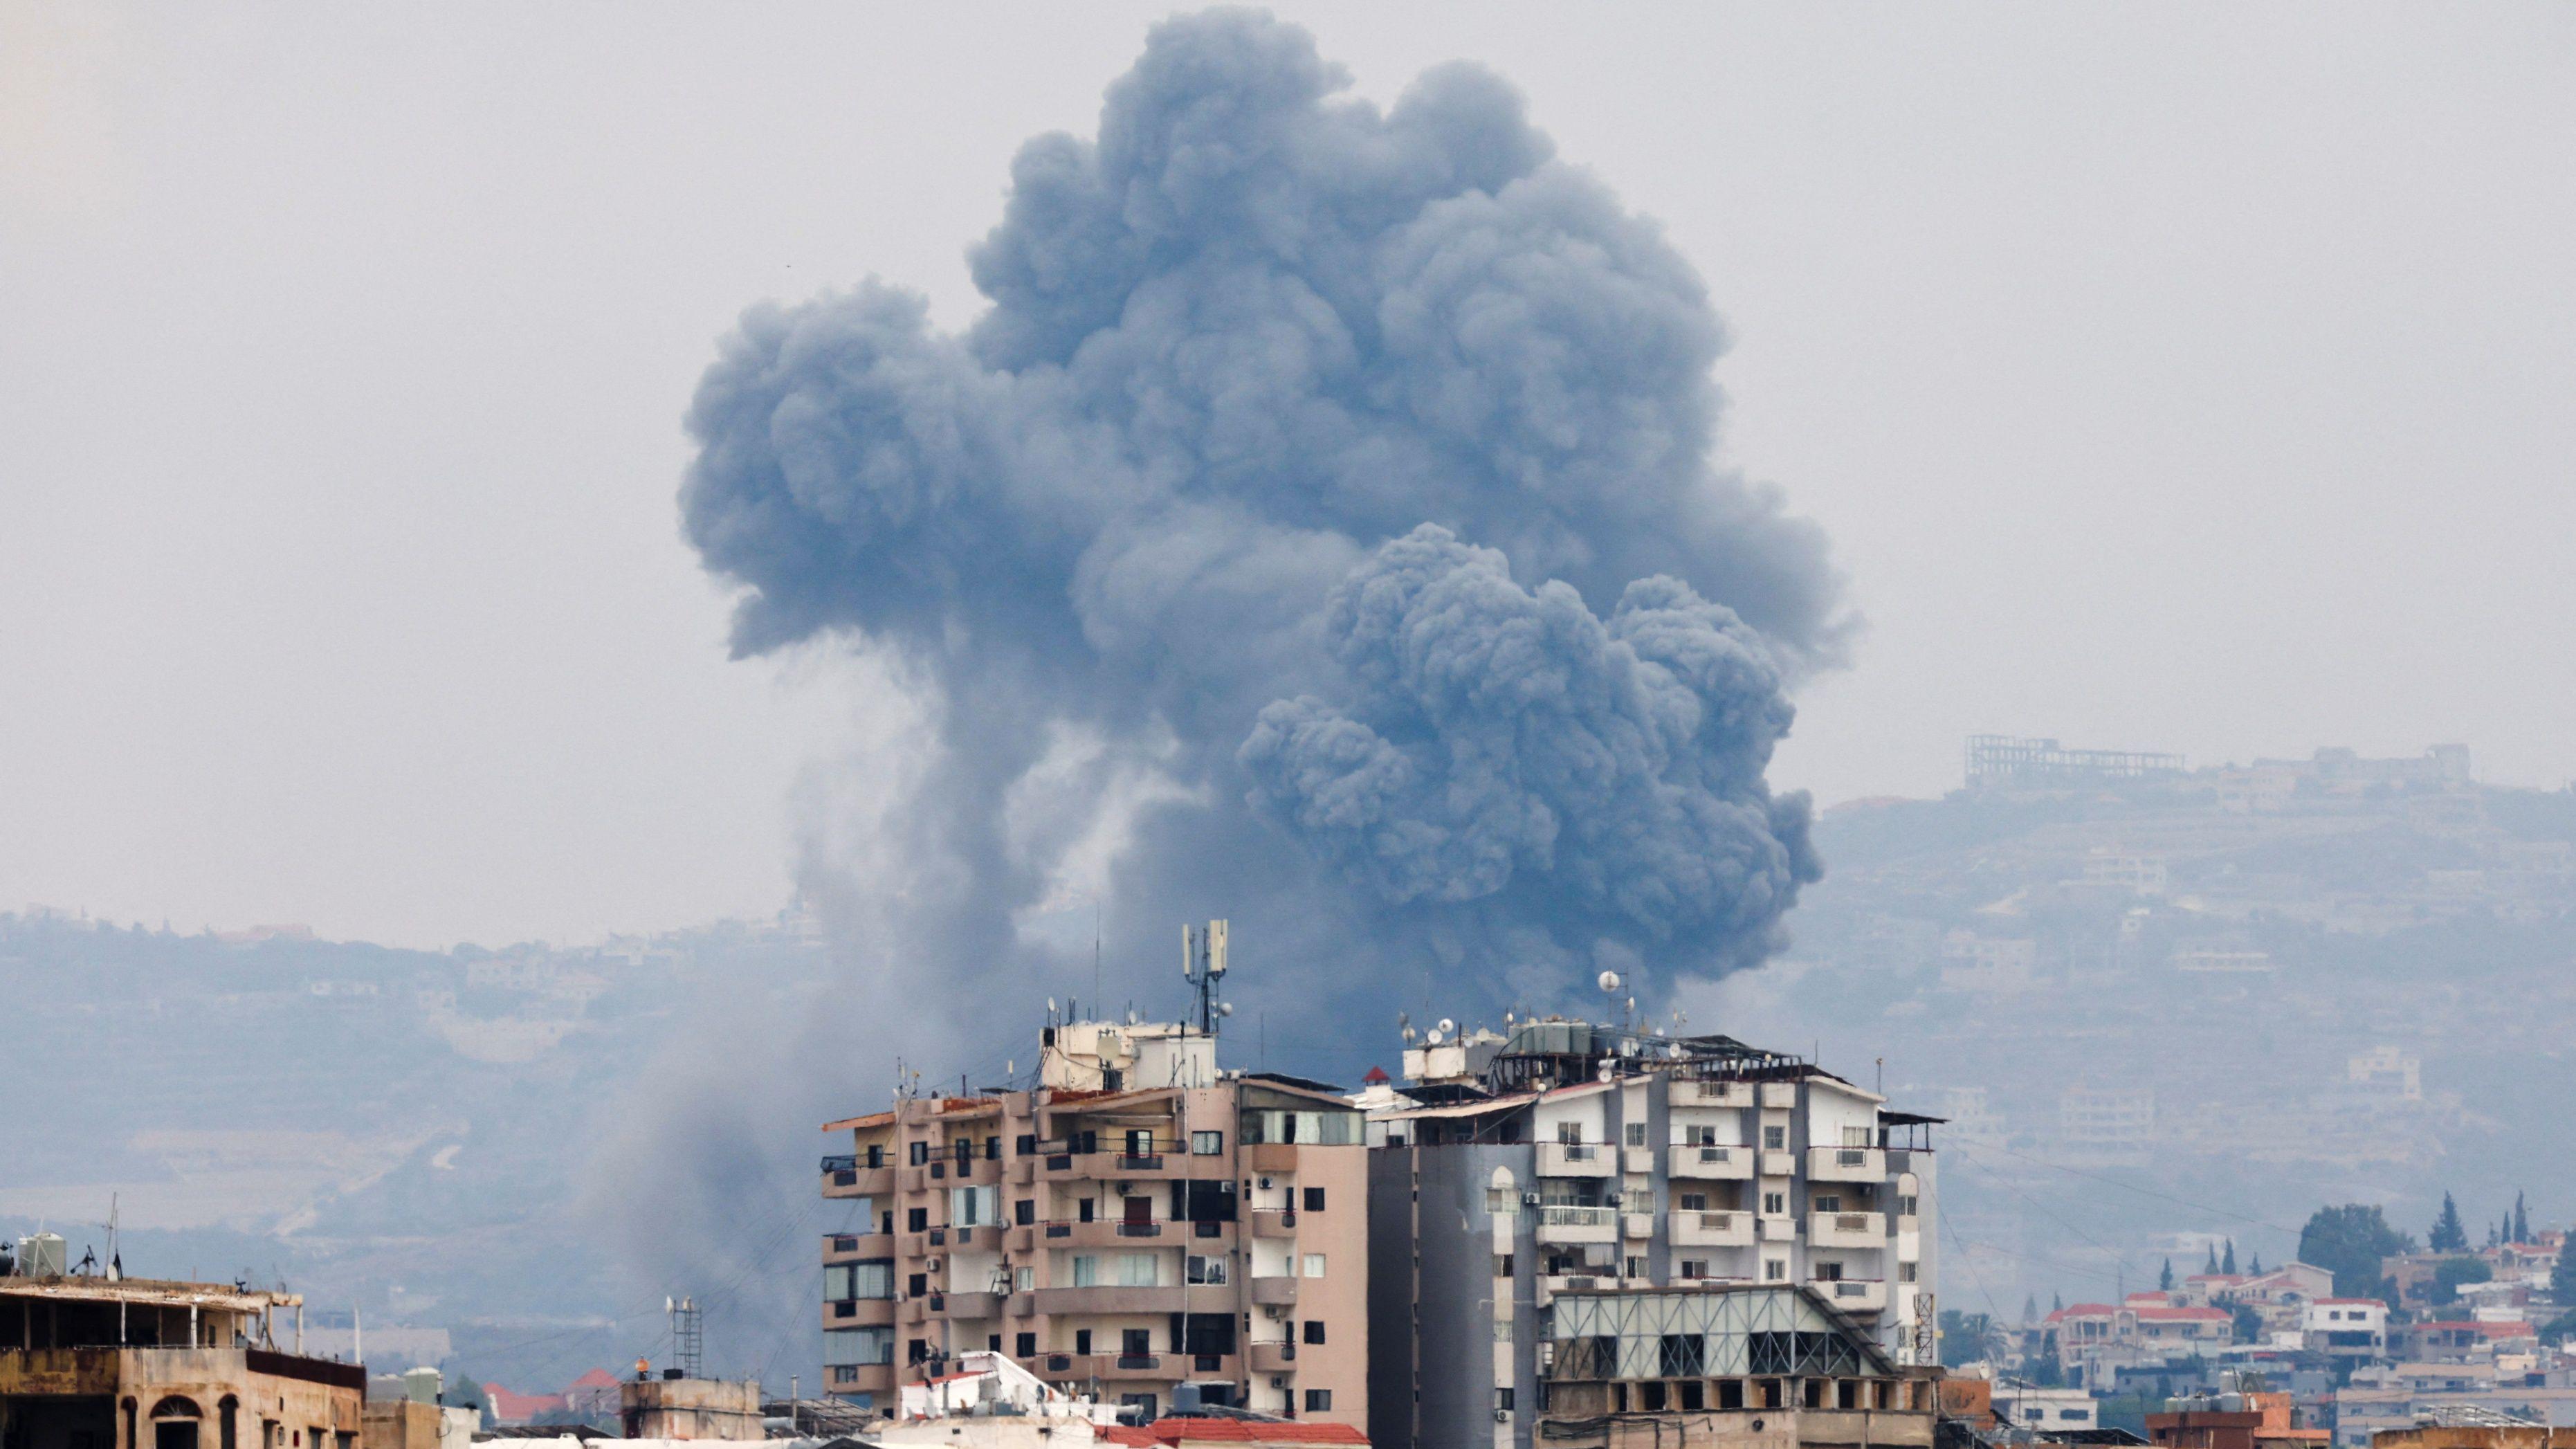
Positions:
{"x": 1203, "y": 963}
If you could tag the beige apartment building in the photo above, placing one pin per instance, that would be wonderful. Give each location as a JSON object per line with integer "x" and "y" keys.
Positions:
{"x": 1138, "y": 1226}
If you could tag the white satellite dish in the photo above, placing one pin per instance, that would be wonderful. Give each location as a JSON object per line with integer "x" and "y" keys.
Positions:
{"x": 1432, "y": 1037}
{"x": 1446, "y": 1025}
{"x": 1609, "y": 981}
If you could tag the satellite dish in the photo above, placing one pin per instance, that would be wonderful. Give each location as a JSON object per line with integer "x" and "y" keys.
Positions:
{"x": 1432, "y": 1037}
{"x": 1402, "y": 1020}
{"x": 1609, "y": 981}
{"x": 1410, "y": 1033}
{"x": 1507, "y": 1018}
{"x": 1225, "y": 1008}
{"x": 1447, "y": 1025}
{"x": 1632, "y": 1006}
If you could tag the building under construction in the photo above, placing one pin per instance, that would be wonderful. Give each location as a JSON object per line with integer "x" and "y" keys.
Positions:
{"x": 2006, "y": 762}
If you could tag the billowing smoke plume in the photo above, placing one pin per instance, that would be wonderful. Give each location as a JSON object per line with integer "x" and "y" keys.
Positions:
{"x": 1349, "y": 471}
{"x": 1320, "y": 528}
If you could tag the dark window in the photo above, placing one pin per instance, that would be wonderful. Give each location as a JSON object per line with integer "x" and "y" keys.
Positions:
{"x": 1135, "y": 1342}
{"x": 1025, "y": 1211}
{"x": 1694, "y": 1397}
{"x": 1314, "y": 1199}
{"x": 1681, "y": 1355}
{"x": 876, "y": 1156}
{"x": 992, "y": 1149}
{"x": 920, "y": 1285}
{"x": 993, "y": 1342}
{"x": 1025, "y": 1346}
{"x": 1314, "y": 1330}
{"x": 1730, "y": 1395}
{"x": 917, "y": 1350}
{"x": 1652, "y": 1396}
{"x": 916, "y": 1220}
{"x": 1027, "y": 1146}
{"x": 1082, "y": 1340}
{"x": 1082, "y": 1210}
{"x": 920, "y": 1153}
{"x": 1319, "y": 1401}
{"x": 1503, "y": 1398}
{"x": 1502, "y": 1265}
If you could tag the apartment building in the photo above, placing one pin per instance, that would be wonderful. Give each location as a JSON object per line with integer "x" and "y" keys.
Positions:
{"x": 1138, "y": 1225}
{"x": 1567, "y": 1158}
{"x": 98, "y": 1362}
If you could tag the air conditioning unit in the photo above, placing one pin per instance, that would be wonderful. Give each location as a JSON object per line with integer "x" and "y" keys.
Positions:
{"x": 1529, "y": 1199}
{"x": 1502, "y": 1416}
{"x": 1265, "y": 1184}
{"x": 1274, "y": 1310}
{"x": 1278, "y": 1381}
{"x": 934, "y": 1262}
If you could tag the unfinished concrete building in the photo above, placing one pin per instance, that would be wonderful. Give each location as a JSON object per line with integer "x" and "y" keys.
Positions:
{"x": 125, "y": 1363}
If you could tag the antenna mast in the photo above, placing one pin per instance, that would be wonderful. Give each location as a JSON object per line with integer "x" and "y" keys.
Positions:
{"x": 688, "y": 1336}
{"x": 1202, "y": 965}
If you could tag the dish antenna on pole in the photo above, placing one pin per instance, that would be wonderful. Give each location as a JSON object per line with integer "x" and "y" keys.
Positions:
{"x": 1203, "y": 964}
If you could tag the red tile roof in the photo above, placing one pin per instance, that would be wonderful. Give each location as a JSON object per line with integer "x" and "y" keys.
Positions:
{"x": 597, "y": 1378}
{"x": 2183, "y": 1315}
{"x": 1241, "y": 1431}
{"x": 2083, "y": 1310}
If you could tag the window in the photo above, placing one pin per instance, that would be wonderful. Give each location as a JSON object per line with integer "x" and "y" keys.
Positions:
{"x": 868, "y": 1278}
{"x": 1025, "y": 1211}
{"x": 920, "y": 1153}
{"x": 1026, "y": 1145}
{"x": 1086, "y": 1270}
{"x": 1569, "y": 1133}
{"x": 917, "y": 1286}
{"x": 1025, "y": 1280}
{"x": 916, "y": 1350}
{"x": 1503, "y": 1399}
{"x": 973, "y": 1207}
{"x": 1502, "y": 1265}
{"x": 876, "y": 1155}
{"x": 1314, "y": 1330}
{"x": 1083, "y": 1209}
{"x": 993, "y": 1342}
{"x": 1905, "y": 1272}
{"x": 1502, "y": 1202}
{"x": 1502, "y": 1324}
{"x": 1775, "y": 1139}
{"x": 1636, "y": 1134}
{"x": 1314, "y": 1199}
{"x": 1207, "y": 1269}
{"x": 993, "y": 1153}
{"x": 1700, "y": 1136}
{"x": 1082, "y": 1340}
{"x": 1314, "y": 1265}
{"x": 1827, "y": 1202}
{"x": 1136, "y": 1270}
{"x": 1829, "y": 1272}
{"x": 1774, "y": 1204}
{"x": 1140, "y": 1141}
{"x": 853, "y": 1347}
{"x": 1694, "y": 1267}
{"x": 1025, "y": 1346}
{"x": 1319, "y": 1401}
{"x": 1905, "y": 1205}
{"x": 916, "y": 1220}
{"x": 1636, "y": 1268}
{"x": 1207, "y": 1144}
{"x": 1775, "y": 1270}
{"x": 1135, "y": 1342}
{"x": 1855, "y": 1136}
{"x": 1694, "y": 1202}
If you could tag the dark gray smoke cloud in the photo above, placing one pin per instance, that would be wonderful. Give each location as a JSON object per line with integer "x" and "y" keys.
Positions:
{"x": 1349, "y": 469}
{"x": 1323, "y": 512}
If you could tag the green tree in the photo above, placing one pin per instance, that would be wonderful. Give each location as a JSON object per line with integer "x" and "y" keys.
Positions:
{"x": 2451, "y": 1273}
{"x": 2256, "y": 1267}
{"x": 1968, "y": 1338}
{"x": 2349, "y": 1242}
{"x": 2212, "y": 1265}
{"x": 2164, "y": 1280}
{"x": 2521, "y": 1220}
{"x": 2228, "y": 1263}
{"x": 2447, "y": 1235}
{"x": 2562, "y": 1277}
{"x": 2249, "y": 1324}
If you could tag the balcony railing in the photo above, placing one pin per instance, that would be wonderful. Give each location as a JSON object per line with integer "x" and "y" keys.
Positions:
{"x": 1140, "y": 1361}
{"x": 1140, "y": 1230}
{"x": 842, "y": 1162}
{"x": 1140, "y": 1161}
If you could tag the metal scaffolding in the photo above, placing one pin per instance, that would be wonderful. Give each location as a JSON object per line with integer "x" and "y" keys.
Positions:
{"x": 2005, "y": 760}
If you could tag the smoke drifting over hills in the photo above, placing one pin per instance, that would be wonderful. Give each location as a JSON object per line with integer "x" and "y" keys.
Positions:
{"x": 1327, "y": 497}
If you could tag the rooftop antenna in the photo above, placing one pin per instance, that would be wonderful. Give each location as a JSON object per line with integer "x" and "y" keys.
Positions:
{"x": 1203, "y": 967}
{"x": 688, "y": 1336}
{"x": 1095, "y": 948}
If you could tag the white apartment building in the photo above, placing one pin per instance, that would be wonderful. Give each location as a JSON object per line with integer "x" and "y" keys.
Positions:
{"x": 1571, "y": 1157}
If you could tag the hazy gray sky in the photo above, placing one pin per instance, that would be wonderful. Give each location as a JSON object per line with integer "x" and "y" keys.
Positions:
{"x": 2167, "y": 377}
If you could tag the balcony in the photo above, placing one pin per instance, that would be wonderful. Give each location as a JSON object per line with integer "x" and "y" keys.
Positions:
{"x": 1778, "y": 1164}
{"x": 850, "y": 1247}
{"x": 1578, "y": 1225}
{"x": 1712, "y": 1094}
{"x": 1549, "y": 1287}
{"x": 1638, "y": 1160}
{"x": 1847, "y": 1230}
{"x": 1574, "y": 1159}
{"x": 858, "y": 1313}
{"x": 1637, "y": 1226}
{"x": 1271, "y": 1157}
{"x": 1846, "y": 1164}
{"x": 1852, "y": 1295}
{"x": 1269, "y": 1224}
{"x": 1712, "y": 1230}
{"x": 843, "y": 1177}
{"x": 1274, "y": 1358}
{"x": 967, "y": 1305}
{"x": 1779, "y": 1230}
{"x": 1276, "y": 1292}
{"x": 862, "y": 1378}
{"x": 1132, "y": 1368}
{"x": 1118, "y": 1298}
{"x": 1702, "y": 1160}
